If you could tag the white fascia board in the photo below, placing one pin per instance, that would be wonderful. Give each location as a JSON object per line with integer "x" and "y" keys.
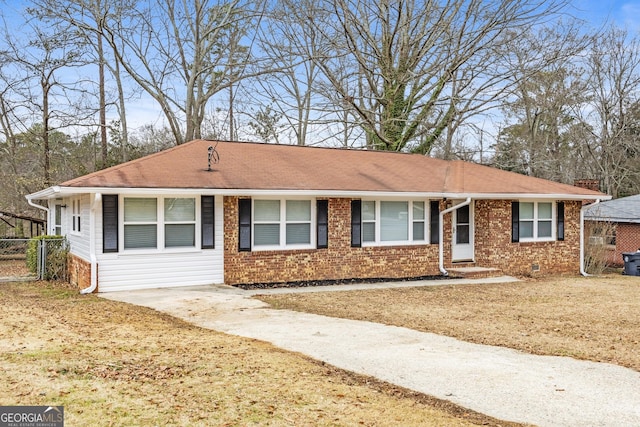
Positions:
{"x": 57, "y": 191}
{"x": 47, "y": 193}
{"x": 519, "y": 196}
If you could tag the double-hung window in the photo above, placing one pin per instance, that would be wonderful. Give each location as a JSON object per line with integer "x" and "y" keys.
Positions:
{"x": 75, "y": 216}
{"x": 393, "y": 222}
{"x": 140, "y": 223}
{"x": 279, "y": 224}
{"x": 179, "y": 222}
{"x": 536, "y": 221}
{"x": 151, "y": 223}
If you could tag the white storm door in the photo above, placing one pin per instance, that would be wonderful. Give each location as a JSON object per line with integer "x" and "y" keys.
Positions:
{"x": 462, "y": 248}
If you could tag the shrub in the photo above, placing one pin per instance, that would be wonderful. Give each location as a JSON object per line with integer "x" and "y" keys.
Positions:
{"x": 57, "y": 250}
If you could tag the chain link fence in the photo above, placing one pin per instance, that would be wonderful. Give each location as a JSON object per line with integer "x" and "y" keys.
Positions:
{"x": 42, "y": 258}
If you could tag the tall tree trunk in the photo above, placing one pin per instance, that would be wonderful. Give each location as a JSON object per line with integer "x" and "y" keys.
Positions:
{"x": 103, "y": 106}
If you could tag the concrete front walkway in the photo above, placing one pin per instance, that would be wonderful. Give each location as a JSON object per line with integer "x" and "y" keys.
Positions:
{"x": 502, "y": 383}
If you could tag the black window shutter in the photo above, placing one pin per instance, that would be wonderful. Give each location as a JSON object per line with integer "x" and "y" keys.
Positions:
{"x": 244, "y": 231}
{"x": 207, "y": 207}
{"x": 560, "y": 220}
{"x": 322, "y": 215}
{"x": 110, "y": 223}
{"x": 356, "y": 223}
{"x": 515, "y": 222}
{"x": 434, "y": 222}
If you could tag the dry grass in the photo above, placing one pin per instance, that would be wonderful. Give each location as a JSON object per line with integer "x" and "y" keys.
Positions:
{"x": 587, "y": 318}
{"x": 111, "y": 363}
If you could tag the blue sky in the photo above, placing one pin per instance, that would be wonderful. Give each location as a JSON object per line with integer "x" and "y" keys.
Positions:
{"x": 624, "y": 13}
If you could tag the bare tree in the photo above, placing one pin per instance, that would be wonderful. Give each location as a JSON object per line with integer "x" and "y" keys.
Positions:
{"x": 89, "y": 19}
{"x": 39, "y": 58}
{"x": 403, "y": 57}
{"x": 613, "y": 65}
{"x": 183, "y": 53}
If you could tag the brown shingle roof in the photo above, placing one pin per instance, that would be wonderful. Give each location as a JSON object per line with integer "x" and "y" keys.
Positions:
{"x": 252, "y": 166}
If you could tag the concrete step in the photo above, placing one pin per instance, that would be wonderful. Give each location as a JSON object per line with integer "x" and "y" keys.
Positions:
{"x": 474, "y": 272}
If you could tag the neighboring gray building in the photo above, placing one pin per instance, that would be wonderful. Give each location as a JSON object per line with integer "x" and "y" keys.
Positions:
{"x": 622, "y": 216}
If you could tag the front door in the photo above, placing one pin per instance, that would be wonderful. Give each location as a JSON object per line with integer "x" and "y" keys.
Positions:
{"x": 462, "y": 239}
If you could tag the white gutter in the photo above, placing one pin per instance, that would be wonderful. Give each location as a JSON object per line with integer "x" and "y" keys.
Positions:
{"x": 441, "y": 234}
{"x": 35, "y": 205}
{"x": 58, "y": 191}
{"x": 92, "y": 245}
{"x": 582, "y": 209}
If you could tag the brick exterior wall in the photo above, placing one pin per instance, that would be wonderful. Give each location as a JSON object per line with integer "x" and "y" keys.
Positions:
{"x": 493, "y": 246}
{"x": 627, "y": 240}
{"x": 79, "y": 272}
{"x": 338, "y": 261}
{"x": 341, "y": 261}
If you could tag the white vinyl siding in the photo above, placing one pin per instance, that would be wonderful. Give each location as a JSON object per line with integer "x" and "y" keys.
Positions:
{"x": 79, "y": 241}
{"x": 139, "y": 269}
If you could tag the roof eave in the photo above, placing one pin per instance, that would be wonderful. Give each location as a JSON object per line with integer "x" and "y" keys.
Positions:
{"x": 47, "y": 193}
{"x": 60, "y": 191}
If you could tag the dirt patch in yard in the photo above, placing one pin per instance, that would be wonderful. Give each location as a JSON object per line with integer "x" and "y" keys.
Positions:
{"x": 13, "y": 268}
{"x": 591, "y": 318}
{"x": 111, "y": 363}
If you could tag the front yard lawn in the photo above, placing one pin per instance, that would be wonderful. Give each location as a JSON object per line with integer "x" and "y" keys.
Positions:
{"x": 592, "y": 318}
{"x": 114, "y": 364}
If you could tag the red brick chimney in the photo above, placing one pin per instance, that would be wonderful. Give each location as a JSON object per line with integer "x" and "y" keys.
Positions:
{"x": 589, "y": 184}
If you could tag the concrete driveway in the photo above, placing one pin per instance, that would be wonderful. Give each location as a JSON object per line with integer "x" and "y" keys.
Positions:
{"x": 503, "y": 383}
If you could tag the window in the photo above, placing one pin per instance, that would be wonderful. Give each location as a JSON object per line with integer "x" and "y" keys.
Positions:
{"x": 140, "y": 223}
{"x": 57, "y": 220}
{"x": 151, "y": 223}
{"x": 179, "y": 222}
{"x": 418, "y": 221}
{"x": 75, "y": 215}
{"x": 534, "y": 221}
{"x": 393, "y": 221}
{"x": 394, "y": 225}
{"x": 266, "y": 225}
{"x": 298, "y": 222}
{"x": 282, "y": 224}
{"x": 368, "y": 221}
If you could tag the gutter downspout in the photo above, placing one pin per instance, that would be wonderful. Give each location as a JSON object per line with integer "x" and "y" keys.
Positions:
{"x": 441, "y": 234}
{"x": 582, "y": 209}
{"x": 92, "y": 245}
{"x": 47, "y": 210}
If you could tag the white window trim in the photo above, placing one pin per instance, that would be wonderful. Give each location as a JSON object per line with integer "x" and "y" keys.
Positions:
{"x": 57, "y": 223}
{"x": 160, "y": 223}
{"x": 76, "y": 214}
{"x": 410, "y": 221}
{"x": 283, "y": 226}
{"x": 536, "y": 219}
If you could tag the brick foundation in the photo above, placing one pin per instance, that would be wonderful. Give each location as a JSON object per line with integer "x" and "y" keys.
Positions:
{"x": 341, "y": 261}
{"x": 79, "y": 272}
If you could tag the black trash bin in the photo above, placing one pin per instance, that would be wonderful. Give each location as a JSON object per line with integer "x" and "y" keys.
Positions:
{"x": 631, "y": 263}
